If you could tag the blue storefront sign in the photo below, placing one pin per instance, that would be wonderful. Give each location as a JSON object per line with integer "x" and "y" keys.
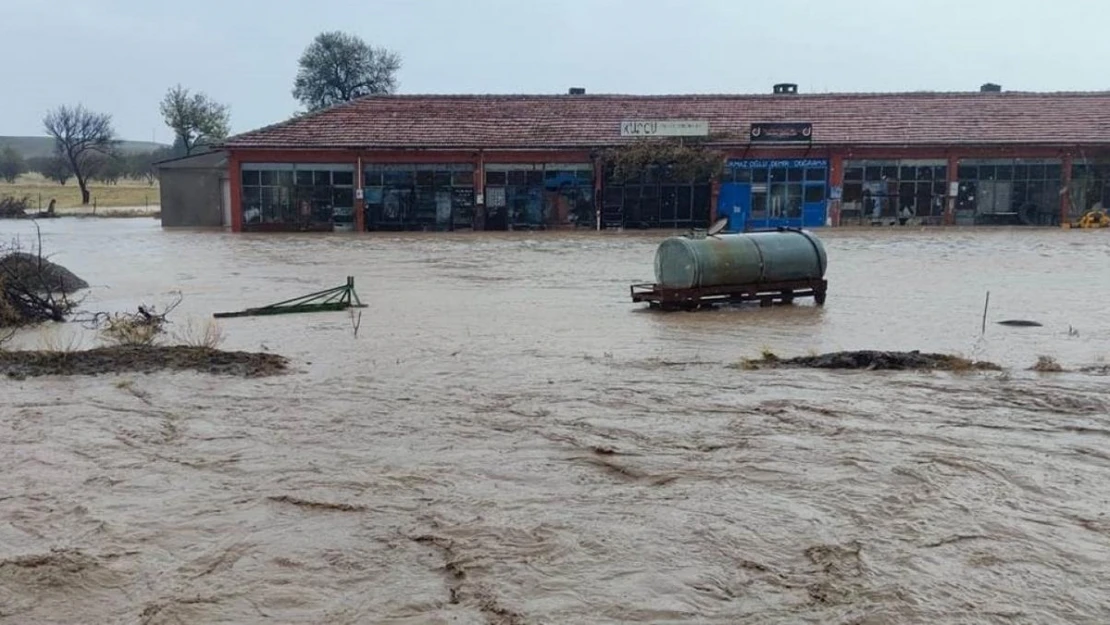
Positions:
{"x": 768, "y": 193}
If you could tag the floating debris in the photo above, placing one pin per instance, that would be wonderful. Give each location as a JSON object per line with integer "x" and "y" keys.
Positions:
{"x": 1020, "y": 323}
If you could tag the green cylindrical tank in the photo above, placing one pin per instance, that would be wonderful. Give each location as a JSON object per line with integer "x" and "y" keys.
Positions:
{"x": 736, "y": 259}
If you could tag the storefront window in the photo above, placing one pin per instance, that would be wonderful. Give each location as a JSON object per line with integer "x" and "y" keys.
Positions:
{"x": 538, "y": 196}
{"x": 776, "y": 192}
{"x": 297, "y": 196}
{"x": 1024, "y": 191}
{"x": 657, "y": 199}
{"x": 419, "y": 197}
{"x": 890, "y": 191}
{"x": 1090, "y": 187}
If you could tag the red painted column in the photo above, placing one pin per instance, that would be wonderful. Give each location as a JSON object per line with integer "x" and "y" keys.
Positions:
{"x": 949, "y": 197}
{"x": 714, "y": 196}
{"x": 235, "y": 178}
{"x": 480, "y": 192}
{"x": 1065, "y": 196}
{"x": 836, "y": 181}
{"x": 360, "y": 197}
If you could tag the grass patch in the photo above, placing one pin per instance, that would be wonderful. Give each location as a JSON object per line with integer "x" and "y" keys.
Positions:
{"x": 1047, "y": 364}
{"x": 130, "y": 193}
{"x": 139, "y": 359}
{"x": 870, "y": 360}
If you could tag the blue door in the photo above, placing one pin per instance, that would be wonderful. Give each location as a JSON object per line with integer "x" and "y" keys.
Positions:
{"x": 735, "y": 202}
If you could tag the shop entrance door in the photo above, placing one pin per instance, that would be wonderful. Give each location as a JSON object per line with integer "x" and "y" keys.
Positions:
{"x": 735, "y": 202}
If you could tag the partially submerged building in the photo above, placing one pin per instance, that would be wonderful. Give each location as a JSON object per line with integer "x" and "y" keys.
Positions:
{"x": 508, "y": 162}
{"x": 195, "y": 191}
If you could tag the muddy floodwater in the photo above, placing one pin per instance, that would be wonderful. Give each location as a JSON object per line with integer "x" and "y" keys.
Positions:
{"x": 509, "y": 440}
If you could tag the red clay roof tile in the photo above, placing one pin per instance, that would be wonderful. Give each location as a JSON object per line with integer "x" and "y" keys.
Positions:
{"x": 563, "y": 121}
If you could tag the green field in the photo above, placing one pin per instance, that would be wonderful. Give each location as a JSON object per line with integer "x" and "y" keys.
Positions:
{"x": 136, "y": 195}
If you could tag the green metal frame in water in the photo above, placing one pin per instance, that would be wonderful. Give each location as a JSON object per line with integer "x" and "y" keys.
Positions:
{"x": 339, "y": 298}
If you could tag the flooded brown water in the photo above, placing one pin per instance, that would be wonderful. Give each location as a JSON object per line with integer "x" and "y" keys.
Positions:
{"x": 510, "y": 440}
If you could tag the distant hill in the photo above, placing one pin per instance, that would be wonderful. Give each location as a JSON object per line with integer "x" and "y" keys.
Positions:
{"x": 31, "y": 147}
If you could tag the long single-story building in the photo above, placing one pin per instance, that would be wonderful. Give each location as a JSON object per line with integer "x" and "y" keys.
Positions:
{"x": 508, "y": 162}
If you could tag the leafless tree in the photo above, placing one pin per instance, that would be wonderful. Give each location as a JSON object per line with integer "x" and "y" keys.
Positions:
{"x": 80, "y": 136}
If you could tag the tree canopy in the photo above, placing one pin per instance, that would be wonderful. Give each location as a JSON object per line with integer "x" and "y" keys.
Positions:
{"x": 11, "y": 164}
{"x": 195, "y": 119}
{"x": 338, "y": 67}
{"x": 81, "y": 137}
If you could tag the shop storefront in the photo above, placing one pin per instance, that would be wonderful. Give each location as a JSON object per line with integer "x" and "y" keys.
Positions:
{"x": 538, "y": 196}
{"x": 760, "y": 193}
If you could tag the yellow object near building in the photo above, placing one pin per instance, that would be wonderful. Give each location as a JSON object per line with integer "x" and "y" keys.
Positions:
{"x": 1094, "y": 219}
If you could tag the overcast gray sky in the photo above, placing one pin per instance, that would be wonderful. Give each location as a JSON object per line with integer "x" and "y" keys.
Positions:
{"x": 120, "y": 56}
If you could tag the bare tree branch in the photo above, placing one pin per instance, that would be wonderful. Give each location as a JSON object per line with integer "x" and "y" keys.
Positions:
{"x": 79, "y": 136}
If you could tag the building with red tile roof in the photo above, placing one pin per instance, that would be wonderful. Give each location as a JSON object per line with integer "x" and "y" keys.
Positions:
{"x": 446, "y": 162}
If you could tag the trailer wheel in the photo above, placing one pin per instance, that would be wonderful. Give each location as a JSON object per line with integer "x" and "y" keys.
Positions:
{"x": 819, "y": 297}
{"x": 788, "y": 296}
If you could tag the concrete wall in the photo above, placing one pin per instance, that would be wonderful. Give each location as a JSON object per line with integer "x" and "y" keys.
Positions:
{"x": 192, "y": 198}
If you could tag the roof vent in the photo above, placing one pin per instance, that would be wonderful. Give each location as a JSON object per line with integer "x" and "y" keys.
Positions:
{"x": 786, "y": 88}
{"x": 990, "y": 87}
{"x": 577, "y": 91}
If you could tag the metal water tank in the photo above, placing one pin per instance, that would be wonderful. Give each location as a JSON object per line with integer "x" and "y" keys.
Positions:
{"x": 738, "y": 259}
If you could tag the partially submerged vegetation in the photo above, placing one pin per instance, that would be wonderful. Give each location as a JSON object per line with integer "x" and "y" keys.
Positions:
{"x": 33, "y": 290}
{"x": 139, "y": 359}
{"x": 870, "y": 360}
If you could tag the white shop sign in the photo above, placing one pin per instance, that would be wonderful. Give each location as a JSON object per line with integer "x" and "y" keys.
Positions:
{"x": 665, "y": 128}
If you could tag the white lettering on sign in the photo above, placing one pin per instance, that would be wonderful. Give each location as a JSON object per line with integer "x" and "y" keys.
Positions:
{"x": 665, "y": 128}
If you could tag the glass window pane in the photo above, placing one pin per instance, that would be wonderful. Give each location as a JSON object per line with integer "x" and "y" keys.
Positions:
{"x": 778, "y": 174}
{"x": 890, "y": 172}
{"x": 907, "y": 173}
{"x": 462, "y": 178}
{"x": 1004, "y": 172}
{"x": 795, "y": 174}
{"x": 399, "y": 177}
{"x": 425, "y": 178}
{"x": 1052, "y": 172}
{"x": 285, "y": 178}
{"x": 924, "y": 173}
{"x": 852, "y": 192}
{"x": 304, "y": 178}
{"x": 372, "y": 179}
{"x": 853, "y": 174}
{"x": 873, "y": 174}
{"x": 518, "y": 178}
{"x": 584, "y": 176}
{"x": 986, "y": 172}
{"x": 533, "y": 178}
{"x": 321, "y": 178}
{"x": 342, "y": 178}
{"x": 742, "y": 175}
{"x": 442, "y": 178}
{"x": 1036, "y": 172}
{"x": 968, "y": 172}
{"x": 343, "y": 197}
{"x": 250, "y": 177}
{"x": 815, "y": 193}
{"x": 759, "y": 175}
{"x": 940, "y": 172}
{"x": 815, "y": 174}
{"x": 759, "y": 204}
{"x": 1021, "y": 172}
{"x": 497, "y": 177}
